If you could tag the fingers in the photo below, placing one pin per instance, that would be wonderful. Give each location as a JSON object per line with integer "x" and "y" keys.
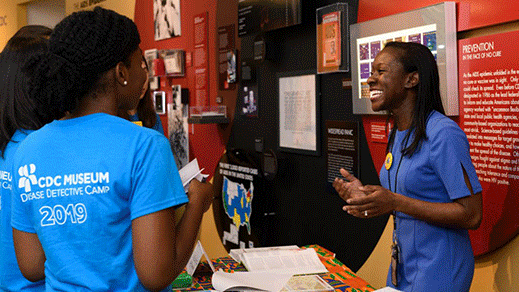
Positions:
{"x": 361, "y": 211}
{"x": 347, "y": 175}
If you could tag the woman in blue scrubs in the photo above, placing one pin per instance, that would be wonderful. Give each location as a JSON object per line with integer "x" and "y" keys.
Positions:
{"x": 428, "y": 180}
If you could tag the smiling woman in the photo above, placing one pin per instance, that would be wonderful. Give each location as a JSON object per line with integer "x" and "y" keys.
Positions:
{"x": 428, "y": 181}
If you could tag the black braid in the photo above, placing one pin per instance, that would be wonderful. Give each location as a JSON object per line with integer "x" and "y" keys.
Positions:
{"x": 82, "y": 47}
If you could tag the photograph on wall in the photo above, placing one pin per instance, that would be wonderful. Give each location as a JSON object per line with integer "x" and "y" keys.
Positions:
{"x": 174, "y": 62}
{"x": 150, "y": 56}
{"x": 231, "y": 67}
{"x": 178, "y": 127}
{"x": 249, "y": 99}
{"x": 227, "y": 58}
{"x": 166, "y": 19}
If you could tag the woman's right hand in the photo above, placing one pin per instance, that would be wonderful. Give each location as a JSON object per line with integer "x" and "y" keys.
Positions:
{"x": 348, "y": 188}
{"x": 200, "y": 193}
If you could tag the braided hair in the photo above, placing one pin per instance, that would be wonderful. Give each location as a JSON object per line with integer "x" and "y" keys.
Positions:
{"x": 17, "y": 110}
{"x": 416, "y": 57}
{"x": 82, "y": 48}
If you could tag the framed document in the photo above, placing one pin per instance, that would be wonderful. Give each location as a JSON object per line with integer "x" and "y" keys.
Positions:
{"x": 298, "y": 113}
{"x": 333, "y": 38}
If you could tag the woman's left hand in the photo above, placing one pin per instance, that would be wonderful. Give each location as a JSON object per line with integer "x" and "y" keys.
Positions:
{"x": 379, "y": 201}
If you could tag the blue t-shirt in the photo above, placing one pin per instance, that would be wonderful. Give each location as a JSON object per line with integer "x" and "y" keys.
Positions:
{"x": 11, "y": 279}
{"x": 78, "y": 184}
{"x": 157, "y": 126}
{"x": 433, "y": 258}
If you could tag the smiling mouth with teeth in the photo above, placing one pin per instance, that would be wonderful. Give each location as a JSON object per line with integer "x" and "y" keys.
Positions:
{"x": 374, "y": 94}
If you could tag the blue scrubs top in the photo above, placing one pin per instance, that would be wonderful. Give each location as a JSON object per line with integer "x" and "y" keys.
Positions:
{"x": 433, "y": 258}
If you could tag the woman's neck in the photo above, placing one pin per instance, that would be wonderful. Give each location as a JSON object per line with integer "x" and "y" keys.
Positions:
{"x": 93, "y": 105}
{"x": 403, "y": 115}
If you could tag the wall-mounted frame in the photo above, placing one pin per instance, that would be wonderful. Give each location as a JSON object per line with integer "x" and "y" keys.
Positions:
{"x": 159, "y": 99}
{"x": 150, "y": 56}
{"x": 299, "y": 112}
{"x": 166, "y": 19}
{"x": 433, "y": 26}
{"x": 174, "y": 62}
{"x": 333, "y": 48}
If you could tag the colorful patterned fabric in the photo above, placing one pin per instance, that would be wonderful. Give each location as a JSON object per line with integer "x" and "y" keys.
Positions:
{"x": 340, "y": 277}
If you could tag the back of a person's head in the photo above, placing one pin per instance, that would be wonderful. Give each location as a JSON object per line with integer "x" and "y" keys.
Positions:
{"x": 17, "y": 109}
{"x": 82, "y": 47}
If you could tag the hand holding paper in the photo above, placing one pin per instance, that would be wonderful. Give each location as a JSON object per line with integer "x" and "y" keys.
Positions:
{"x": 191, "y": 171}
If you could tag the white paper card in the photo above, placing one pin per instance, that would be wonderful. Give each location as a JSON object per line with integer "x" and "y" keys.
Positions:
{"x": 241, "y": 281}
{"x": 195, "y": 258}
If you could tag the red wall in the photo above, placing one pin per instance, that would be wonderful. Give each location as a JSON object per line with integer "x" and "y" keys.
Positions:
{"x": 471, "y": 13}
{"x": 206, "y": 142}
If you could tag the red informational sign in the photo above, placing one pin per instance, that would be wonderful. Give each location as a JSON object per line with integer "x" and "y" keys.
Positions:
{"x": 380, "y": 131}
{"x": 201, "y": 60}
{"x": 489, "y": 115}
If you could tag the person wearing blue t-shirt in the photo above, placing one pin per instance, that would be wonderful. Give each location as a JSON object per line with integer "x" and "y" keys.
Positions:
{"x": 94, "y": 195}
{"x": 428, "y": 180}
{"x": 16, "y": 122}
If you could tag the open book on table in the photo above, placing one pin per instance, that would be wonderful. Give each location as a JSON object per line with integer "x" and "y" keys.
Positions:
{"x": 282, "y": 259}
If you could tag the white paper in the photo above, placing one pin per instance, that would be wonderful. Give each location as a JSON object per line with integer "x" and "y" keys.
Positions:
{"x": 194, "y": 260}
{"x": 294, "y": 261}
{"x": 190, "y": 172}
{"x": 242, "y": 281}
{"x": 387, "y": 289}
{"x": 237, "y": 253}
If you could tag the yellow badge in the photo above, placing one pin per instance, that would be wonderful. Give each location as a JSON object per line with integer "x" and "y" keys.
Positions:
{"x": 389, "y": 161}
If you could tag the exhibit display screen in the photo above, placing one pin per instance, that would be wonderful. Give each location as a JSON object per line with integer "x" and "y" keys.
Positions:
{"x": 433, "y": 26}
{"x": 368, "y": 48}
{"x": 255, "y": 16}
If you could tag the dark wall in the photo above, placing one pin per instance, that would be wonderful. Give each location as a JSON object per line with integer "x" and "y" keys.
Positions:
{"x": 303, "y": 207}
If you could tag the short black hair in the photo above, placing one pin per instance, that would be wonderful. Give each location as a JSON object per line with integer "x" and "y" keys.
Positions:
{"x": 17, "y": 110}
{"x": 82, "y": 47}
{"x": 416, "y": 57}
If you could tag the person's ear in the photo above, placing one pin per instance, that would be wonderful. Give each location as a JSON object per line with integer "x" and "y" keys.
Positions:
{"x": 121, "y": 74}
{"x": 412, "y": 79}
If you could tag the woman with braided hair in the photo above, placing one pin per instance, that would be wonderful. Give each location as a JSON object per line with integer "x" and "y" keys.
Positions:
{"x": 94, "y": 195}
{"x": 18, "y": 117}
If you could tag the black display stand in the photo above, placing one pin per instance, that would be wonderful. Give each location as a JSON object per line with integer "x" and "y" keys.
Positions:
{"x": 297, "y": 205}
